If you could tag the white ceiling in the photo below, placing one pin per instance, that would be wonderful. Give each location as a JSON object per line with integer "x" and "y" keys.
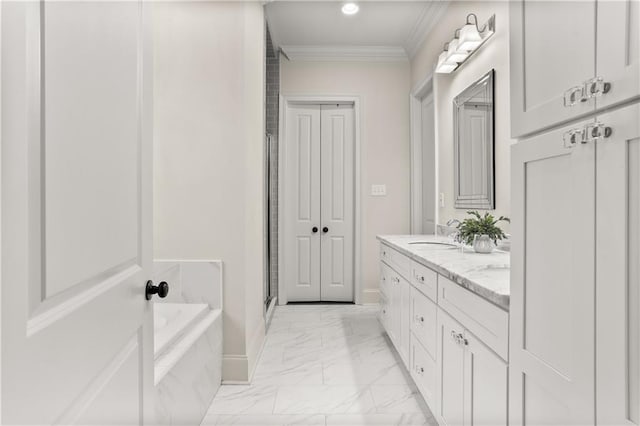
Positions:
{"x": 320, "y": 26}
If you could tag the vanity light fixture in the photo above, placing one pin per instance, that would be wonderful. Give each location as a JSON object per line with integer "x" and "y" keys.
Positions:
{"x": 465, "y": 42}
{"x": 350, "y": 8}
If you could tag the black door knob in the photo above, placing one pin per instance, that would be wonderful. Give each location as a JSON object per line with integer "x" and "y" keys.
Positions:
{"x": 161, "y": 290}
{"x": 314, "y": 229}
{"x": 325, "y": 229}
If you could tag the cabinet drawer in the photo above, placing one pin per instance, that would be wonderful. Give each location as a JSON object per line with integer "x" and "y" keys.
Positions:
{"x": 485, "y": 320}
{"x": 397, "y": 260}
{"x": 423, "y": 321}
{"x": 425, "y": 280}
{"x": 424, "y": 371}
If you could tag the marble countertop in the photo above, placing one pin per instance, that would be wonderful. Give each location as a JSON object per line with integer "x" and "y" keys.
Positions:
{"x": 486, "y": 275}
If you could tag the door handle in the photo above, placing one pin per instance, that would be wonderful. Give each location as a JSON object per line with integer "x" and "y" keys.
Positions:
{"x": 325, "y": 229}
{"x": 161, "y": 290}
{"x": 314, "y": 229}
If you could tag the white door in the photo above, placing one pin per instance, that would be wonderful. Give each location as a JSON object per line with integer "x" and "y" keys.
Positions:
{"x": 450, "y": 408}
{"x": 302, "y": 209}
{"x": 336, "y": 203}
{"x": 318, "y": 216}
{"x": 618, "y": 50}
{"x": 76, "y": 212}
{"x": 552, "y": 309}
{"x": 618, "y": 270}
{"x": 552, "y": 50}
{"x": 428, "y": 166}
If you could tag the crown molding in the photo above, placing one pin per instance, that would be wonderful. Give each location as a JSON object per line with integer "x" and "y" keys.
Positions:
{"x": 431, "y": 14}
{"x": 345, "y": 53}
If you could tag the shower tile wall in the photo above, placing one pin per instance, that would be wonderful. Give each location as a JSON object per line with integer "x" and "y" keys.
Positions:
{"x": 272, "y": 110}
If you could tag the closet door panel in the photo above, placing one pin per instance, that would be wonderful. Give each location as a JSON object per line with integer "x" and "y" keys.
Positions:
{"x": 552, "y": 282}
{"x": 302, "y": 209}
{"x": 337, "y": 195}
{"x": 618, "y": 51}
{"x": 618, "y": 274}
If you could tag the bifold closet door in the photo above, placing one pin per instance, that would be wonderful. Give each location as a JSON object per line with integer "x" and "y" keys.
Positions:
{"x": 302, "y": 203}
{"x": 336, "y": 203}
{"x": 319, "y": 203}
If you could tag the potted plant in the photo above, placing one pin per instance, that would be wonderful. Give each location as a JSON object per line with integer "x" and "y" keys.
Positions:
{"x": 481, "y": 231}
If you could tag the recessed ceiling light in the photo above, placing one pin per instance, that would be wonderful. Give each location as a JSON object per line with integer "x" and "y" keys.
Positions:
{"x": 350, "y": 8}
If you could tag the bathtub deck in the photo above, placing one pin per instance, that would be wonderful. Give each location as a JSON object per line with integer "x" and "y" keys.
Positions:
{"x": 324, "y": 365}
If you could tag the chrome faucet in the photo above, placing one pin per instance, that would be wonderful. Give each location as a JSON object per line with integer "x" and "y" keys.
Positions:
{"x": 452, "y": 222}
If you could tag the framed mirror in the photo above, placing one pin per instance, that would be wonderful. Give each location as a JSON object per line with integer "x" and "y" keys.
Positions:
{"x": 473, "y": 140}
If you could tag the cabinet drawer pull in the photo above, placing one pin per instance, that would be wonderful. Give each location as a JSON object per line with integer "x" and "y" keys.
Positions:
{"x": 572, "y": 137}
{"x": 574, "y": 95}
{"x": 419, "y": 319}
{"x": 595, "y": 131}
{"x": 597, "y": 87}
{"x": 419, "y": 370}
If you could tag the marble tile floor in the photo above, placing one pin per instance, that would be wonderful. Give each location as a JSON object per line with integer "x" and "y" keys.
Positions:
{"x": 324, "y": 365}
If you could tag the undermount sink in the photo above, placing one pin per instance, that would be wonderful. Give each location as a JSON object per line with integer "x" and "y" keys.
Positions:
{"x": 434, "y": 243}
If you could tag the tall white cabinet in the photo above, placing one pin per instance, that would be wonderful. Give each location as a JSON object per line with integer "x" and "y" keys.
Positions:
{"x": 575, "y": 282}
{"x": 569, "y": 58}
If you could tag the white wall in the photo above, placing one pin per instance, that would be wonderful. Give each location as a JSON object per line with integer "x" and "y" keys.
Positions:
{"x": 493, "y": 54}
{"x": 383, "y": 88}
{"x": 208, "y": 136}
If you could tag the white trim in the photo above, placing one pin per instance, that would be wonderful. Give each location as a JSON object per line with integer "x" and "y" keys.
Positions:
{"x": 346, "y": 53}
{"x": 1, "y": 213}
{"x": 285, "y": 100}
{"x": 421, "y": 90}
{"x": 430, "y": 16}
{"x": 271, "y": 309}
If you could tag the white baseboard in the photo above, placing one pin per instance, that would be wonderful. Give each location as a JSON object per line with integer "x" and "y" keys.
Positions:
{"x": 370, "y": 296}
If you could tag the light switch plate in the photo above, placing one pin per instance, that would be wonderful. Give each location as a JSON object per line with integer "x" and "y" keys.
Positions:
{"x": 378, "y": 190}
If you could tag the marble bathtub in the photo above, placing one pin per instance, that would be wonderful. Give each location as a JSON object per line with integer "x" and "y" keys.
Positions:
{"x": 187, "y": 340}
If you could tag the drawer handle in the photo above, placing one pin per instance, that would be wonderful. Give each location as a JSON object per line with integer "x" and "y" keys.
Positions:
{"x": 459, "y": 338}
{"x": 419, "y": 370}
{"x": 419, "y": 319}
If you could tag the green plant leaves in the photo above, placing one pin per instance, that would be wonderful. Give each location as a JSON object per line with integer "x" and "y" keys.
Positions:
{"x": 481, "y": 225}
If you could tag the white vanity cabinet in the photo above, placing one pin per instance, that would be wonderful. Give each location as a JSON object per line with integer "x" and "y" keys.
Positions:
{"x": 453, "y": 342}
{"x": 559, "y": 65}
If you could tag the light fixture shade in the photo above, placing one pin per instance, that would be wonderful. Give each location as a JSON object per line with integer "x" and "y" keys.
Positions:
{"x": 446, "y": 68}
{"x": 454, "y": 54}
{"x": 443, "y": 66}
{"x": 470, "y": 38}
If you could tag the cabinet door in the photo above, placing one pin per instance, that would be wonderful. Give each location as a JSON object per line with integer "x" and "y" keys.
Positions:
{"x": 618, "y": 57}
{"x": 423, "y": 321}
{"x": 405, "y": 320}
{"x": 552, "y": 309}
{"x": 618, "y": 270}
{"x": 450, "y": 371}
{"x": 424, "y": 371}
{"x": 485, "y": 385}
{"x": 383, "y": 314}
{"x": 394, "y": 310}
{"x": 552, "y": 49}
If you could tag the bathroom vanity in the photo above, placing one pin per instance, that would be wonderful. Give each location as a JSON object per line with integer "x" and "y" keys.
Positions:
{"x": 446, "y": 310}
